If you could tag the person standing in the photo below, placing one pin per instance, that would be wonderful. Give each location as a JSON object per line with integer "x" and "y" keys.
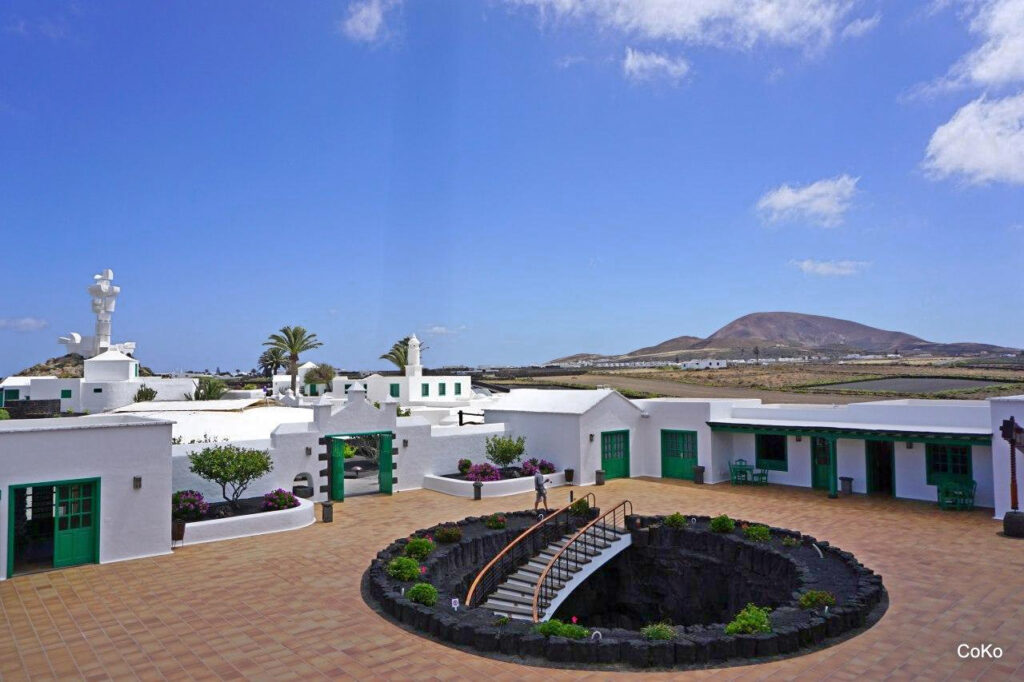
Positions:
{"x": 540, "y": 485}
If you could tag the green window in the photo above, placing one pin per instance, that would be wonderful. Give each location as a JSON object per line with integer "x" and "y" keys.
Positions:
{"x": 347, "y": 386}
{"x": 771, "y": 452}
{"x": 947, "y": 461}
{"x": 65, "y": 393}
{"x": 312, "y": 389}
{"x": 395, "y": 389}
{"x": 458, "y": 388}
{"x": 10, "y": 394}
{"x": 442, "y": 389}
{"x": 97, "y": 390}
{"x": 136, "y": 369}
{"x": 424, "y": 390}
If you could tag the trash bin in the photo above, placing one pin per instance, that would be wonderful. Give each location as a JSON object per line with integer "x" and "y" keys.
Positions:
{"x": 698, "y": 475}
{"x": 846, "y": 485}
{"x": 478, "y": 487}
{"x": 570, "y": 474}
{"x": 327, "y": 512}
{"x": 599, "y": 477}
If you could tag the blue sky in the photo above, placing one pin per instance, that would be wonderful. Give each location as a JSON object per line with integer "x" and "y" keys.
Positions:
{"x": 512, "y": 179}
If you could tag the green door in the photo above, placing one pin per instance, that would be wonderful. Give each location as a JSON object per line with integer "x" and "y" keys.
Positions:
{"x": 76, "y": 515}
{"x": 336, "y": 484}
{"x": 678, "y": 454}
{"x": 385, "y": 474}
{"x": 821, "y": 459}
{"x": 615, "y": 454}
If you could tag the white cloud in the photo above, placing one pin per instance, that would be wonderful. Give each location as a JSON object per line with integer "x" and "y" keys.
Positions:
{"x": 863, "y": 26}
{"x": 736, "y": 23}
{"x": 643, "y": 66}
{"x": 367, "y": 20}
{"x": 22, "y": 324}
{"x": 983, "y": 142}
{"x": 999, "y": 60}
{"x": 568, "y": 61}
{"x": 823, "y": 202}
{"x": 441, "y": 330}
{"x": 831, "y": 268}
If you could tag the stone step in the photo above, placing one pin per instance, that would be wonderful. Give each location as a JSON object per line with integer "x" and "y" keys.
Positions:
{"x": 517, "y": 612}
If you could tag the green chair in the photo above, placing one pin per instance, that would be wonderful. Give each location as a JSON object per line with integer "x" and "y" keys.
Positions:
{"x": 956, "y": 493}
{"x": 738, "y": 472}
{"x": 759, "y": 477}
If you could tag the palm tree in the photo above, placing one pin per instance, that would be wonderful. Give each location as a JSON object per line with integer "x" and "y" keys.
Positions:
{"x": 272, "y": 360}
{"x": 291, "y": 341}
{"x": 399, "y": 353}
{"x": 321, "y": 374}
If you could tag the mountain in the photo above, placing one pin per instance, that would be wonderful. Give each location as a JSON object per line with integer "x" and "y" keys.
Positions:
{"x": 70, "y": 366}
{"x": 779, "y": 334}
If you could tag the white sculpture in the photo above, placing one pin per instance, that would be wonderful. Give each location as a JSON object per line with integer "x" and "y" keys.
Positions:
{"x": 413, "y": 368}
{"x": 104, "y": 300}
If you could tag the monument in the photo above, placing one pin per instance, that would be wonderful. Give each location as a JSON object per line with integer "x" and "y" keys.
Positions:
{"x": 104, "y": 295}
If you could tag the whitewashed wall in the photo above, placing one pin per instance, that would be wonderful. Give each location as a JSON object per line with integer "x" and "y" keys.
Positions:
{"x": 554, "y": 437}
{"x": 437, "y": 450}
{"x": 613, "y": 413}
{"x": 133, "y": 523}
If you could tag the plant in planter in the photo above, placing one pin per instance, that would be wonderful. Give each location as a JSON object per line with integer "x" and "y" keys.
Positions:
{"x": 464, "y": 465}
{"x": 580, "y": 507}
{"x": 723, "y": 524}
{"x": 658, "y": 631}
{"x": 188, "y": 505}
{"x": 751, "y": 620}
{"x": 496, "y": 521}
{"x": 757, "y": 532}
{"x": 675, "y": 520}
{"x": 279, "y": 499}
{"x": 403, "y": 568}
{"x": 790, "y": 541}
{"x": 419, "y": 548}
{"x": 483, "y": 472}
{"x": 504, "y": 451}
{"x": 814, "y": 599}
{"x": 231, "y": 466}
{"x": 556, "y": 628}
{"x": 423, "y": 593}
{"x": 448, "y": 533}
{"x": 533, "y": 465}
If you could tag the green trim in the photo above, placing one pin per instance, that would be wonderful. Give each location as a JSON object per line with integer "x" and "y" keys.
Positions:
{"x": 458, "y": 388}
{"x": 771, "y": 464}
{"x": 442, "y": 389}
{"x": 932, "y": 451}
{"x": 615, "y": 467}
{"x": 385, "y": 460}
{"x": 678, "y": 453}
{"x": 424, "y": 390}
{"x": 856, "y": 434}
{"x": 65, "y": 393}
{"x": 395, "y": 390}
{"x": 871, "y": 482}
{"x": 53, "y": 484}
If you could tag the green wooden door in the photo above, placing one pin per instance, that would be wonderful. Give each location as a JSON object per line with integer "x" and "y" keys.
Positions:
{"x": 820, "y": 463}
{"x": 76, "y": 515}
{"x": 678, "y": 454}
{"x": 337, "y": 482}
{"x": 615, "y": 454}
{"x": 385, "y": 475}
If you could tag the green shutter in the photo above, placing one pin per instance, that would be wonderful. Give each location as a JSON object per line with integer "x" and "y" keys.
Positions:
{"x": 458, "y": 388}
{"x": 395, "y": 388}
{"x": 424, "y": 390}
{"x": 442, "y": 389}
{"x": 65, "y": 393}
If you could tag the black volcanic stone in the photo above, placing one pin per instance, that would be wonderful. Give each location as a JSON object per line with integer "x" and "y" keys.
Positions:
{"x": 746, "y": 646}
{"x": 722, "y": 647}
{"x": 684, "y": 651}
{"x": 636, "y": 653}
{"x": 532, "y": 644}
{"x": 767, "y": 644}
{"x": 609, "y": 651}
{"x": 662, "y": 654}
{"x": 583, "y": 651}
{"x": 508, "y": 642}
{"x": 557, "y": 649}
{"x": 486, "y": 639}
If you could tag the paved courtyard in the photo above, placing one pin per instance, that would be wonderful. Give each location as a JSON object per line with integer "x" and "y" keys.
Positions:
{"x": 287, "y": 606}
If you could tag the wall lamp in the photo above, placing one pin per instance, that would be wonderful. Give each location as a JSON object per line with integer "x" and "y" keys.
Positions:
{"x": 799, "y": 438}
{"x": 309, "y": 451}
{"x": 405, "y": 442}
{"x": 910, "y": 445}
{"x": 591, "y": 438}
{"x": 137, "y": 482}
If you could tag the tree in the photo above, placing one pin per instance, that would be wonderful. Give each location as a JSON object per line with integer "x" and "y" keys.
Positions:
{"x": 230, "y": 466}
{"x": 505, "y": 451}
{"x": 209, "y": 388}
{"x": 321, "y": 374}
{"x": 399, "y": 354}
{"x": 292, "y": 341}
{"x": 271, "y": 360}
{"x": 144, "y": 394}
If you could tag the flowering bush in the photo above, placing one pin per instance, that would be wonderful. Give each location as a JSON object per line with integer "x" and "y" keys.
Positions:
{"x": 496, "y": 521}
{"x": 188, "y": 505}
{"x": 279, "y": 499}
{"x": 419, "y": 548}
{"x": 448, "y": 533}
{"x": 403, "y": 568}
{"x": 464, "y": 465}
{"x": 483, "y": 472}
{"x": 533, "y": 465}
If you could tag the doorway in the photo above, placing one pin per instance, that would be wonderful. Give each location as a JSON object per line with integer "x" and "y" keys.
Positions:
{"x": 881, "y": 472}
{"x": 615, "y": 454}
{"x": 821, "y": 460}
{"x": 361, "y": 464}
{"x": 52, "y": 525}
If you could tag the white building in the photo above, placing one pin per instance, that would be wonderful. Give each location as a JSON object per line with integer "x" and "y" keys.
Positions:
{"x": 413, "y": 388}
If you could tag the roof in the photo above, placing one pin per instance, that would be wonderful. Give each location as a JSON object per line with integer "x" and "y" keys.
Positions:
{"x": 850, "y": 429}
{"x": 100, "y": 421}
{"x": 111, "y": 356}
{"x": 191, "y": 405}
{"x": 20, "y": 381}
{"x": 569, "y": 401}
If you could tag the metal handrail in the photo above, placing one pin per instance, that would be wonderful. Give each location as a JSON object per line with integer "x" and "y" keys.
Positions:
{"x": 506, "y": 559}
{"x": 580, "y": 541}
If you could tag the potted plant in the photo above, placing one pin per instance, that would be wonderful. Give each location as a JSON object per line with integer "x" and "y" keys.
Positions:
{"x": 570, "y": 474}
{"x": 186, "y": 505}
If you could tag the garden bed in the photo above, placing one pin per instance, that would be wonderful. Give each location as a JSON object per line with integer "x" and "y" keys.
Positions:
{"x": 679, "y": 570}
{"x": 456, "y": 484}
{"x": 252, "y": 521}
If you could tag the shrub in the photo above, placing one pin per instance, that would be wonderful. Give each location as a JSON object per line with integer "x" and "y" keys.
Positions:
{"x": 723, "y": 524}
{"x": 144, "y": 394}
{"x": 464, "y": 465}
{"x": 348, "y": 451}
{"x": 188, "y": 505}
{"x": 403, "y": 568}
{"x": 502, "y": 620}
{"x": 533, "y": 465}
{"x": 4, "y": 414}
{"x": 423, "y": 593}
{"x": 505, "y": 451}
{"x": 580, "y": 507}
{"x": 496, "y": 521}
{"x": 676, "y": 520}
{"x": 556, "y": 628}
{"x": 419, "y": 548}
{"x": 230, "y": 466}
{"x": 790, "y": 541}
{"x": 658, "y": 631}
{"x": 483, "y": 472}
{"x": 813, "y": 599}
{"x": 448, "y": 534}
{"x": 250, "y": 387}
{"x": 752, "y": 619}
{"x": 546, "y": 467}
{"x": 757, "y": 533}
{"x": 279, "y": 499}
{"x": 208, "y": 388}
{"x": 321, "y": 374}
